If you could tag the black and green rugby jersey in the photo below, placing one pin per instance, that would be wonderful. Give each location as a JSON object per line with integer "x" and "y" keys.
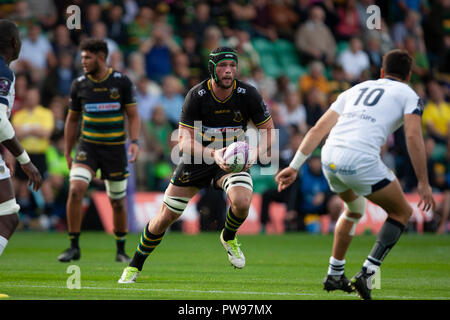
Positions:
{"x": 102, "y": 105}
{"x": 222, "y": 121}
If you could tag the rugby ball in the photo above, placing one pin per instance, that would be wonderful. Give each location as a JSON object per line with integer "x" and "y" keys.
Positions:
{"x": 236, "y": 156}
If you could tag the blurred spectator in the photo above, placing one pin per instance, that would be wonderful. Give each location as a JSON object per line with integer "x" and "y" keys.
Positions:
{"x": 283, "y": 87}
{"x": 100, "y": 31}
{"x": 117, "y": 29}
{"x": 284, "y": 18}
{"x": 403, "y": 7}
{"x": 420, "y": 67}
{"x": 59, "y": 79}
{"x": 288, "y": 196}
{"x": 33, "y": 125}
{"x": 22, "y": 16}
{"x": 293, "y": 112}
{"x": 373, "y": 50}
{"x": 23, "y": 81}
{"x": 190, "y": 46}
{"x": 157, "y": 135}
{"x": 410, "y": 26}
{"x": 435, "y": 31}
{"x": 172, "y": 99}
{"x": 181, "y": 68}
{"x": 140, "y": 29}
{"x": 315, "y": 196}
{"x": 262, "y": 23}
{"x": 444, "y": 64}
{"x": 93, "y": 15}
{"x": 436, "y": 115}
{"x": 158, "y": 51}
{"x": 242, "y": 13}
{"x": 349, "y": 24}
{"x": 37, "y": 52}
{"x": 382, "y": 35}
{"x": 131, "y": 10}
{"x": 338, "y": 83}
{"x": 248, "y": 56}
{"x": 316, "y": 105}
{"x": 265, "y": 85}
{"x": 58, "y": 107}
{"x": 136, "y": 66}
{"x": 314, "y": 78}
{"x": 145, "y": 99}
{"x": 61, "y": 41}
{"x": 314, "y": 39}
{"x": 201, "y": 21}
{"x": 212, "y": 38}
{"x": 354, "y": 60}
{"x": 58, "y": 173}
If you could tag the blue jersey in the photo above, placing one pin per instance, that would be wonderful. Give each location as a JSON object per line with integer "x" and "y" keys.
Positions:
{"x": 7, "y": 81}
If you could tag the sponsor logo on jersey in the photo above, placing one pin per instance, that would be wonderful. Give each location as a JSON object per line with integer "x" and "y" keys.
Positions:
{"x": 102, "y": 107}
{"x": 201, "y": 92}
{"x": 5, "y": 86}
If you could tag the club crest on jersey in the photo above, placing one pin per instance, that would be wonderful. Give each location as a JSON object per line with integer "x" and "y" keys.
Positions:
{"x": 81, "y": 156}
{"x": 238, "y": 116}
{"x": 114, "y": 93}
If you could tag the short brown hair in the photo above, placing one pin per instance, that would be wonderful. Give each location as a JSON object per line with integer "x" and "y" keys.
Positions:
{"x": 94, "y": 46}
{"x": 397, "y": 63}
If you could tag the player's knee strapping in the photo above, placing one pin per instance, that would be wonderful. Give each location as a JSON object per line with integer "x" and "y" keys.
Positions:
{"x": 241, "y": 179}
{"x": 80, "y": 173}
{"x": 357, "y": 206}
{"x": 176, "y": 204}
{"x": 9, "y": 207}
{"x": 116, "y": 189}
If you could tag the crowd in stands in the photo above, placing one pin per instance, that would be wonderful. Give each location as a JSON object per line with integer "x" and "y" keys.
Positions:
{"x": 299, "y": 54}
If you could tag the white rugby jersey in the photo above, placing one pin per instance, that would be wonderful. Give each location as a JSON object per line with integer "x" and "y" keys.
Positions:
{"x": 369, "y": 112}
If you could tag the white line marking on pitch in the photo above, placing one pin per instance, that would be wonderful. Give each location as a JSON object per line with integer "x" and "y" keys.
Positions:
{"x": 220, "y": 292}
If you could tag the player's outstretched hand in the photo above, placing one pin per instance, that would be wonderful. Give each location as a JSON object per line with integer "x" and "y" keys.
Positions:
{"x": 218, "y": 158}
{"x": 426, "y": 197}
{"x": 133, "y": 151}
{"x": 252, "y": 158}
{"x": 285, "y": 178}
{"x": 35, "y": 178}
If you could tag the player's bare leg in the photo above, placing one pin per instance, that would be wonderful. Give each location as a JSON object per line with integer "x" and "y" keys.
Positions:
{"x": 343, "y": 235}
{"x": 8, "y": 220}
{"x": 77, "y": 190}
{"x": 176, "y": 198}
{"x": 240, "y": 200}
{"x": 393, "y": 201}
{"x": 120, "y": 223}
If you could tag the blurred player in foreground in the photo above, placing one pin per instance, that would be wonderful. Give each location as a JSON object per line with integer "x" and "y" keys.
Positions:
{"x": 9, "y": 51}
{"x": 358, "y": 124}
{"x": 103, "y": 98}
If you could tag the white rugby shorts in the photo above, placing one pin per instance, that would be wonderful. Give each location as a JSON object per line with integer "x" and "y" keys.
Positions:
{"x": 4, "y": 170}
{"x": 345, "y": 169}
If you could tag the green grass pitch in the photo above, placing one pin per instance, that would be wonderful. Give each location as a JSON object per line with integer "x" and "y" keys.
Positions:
{"x": 195, "y": 267}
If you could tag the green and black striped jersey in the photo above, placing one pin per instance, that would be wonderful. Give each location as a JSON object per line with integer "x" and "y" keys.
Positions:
{"x": 102, "y": 106}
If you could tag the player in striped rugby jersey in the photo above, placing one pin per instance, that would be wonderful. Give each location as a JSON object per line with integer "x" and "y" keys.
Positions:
{"x": 103, "y": 98}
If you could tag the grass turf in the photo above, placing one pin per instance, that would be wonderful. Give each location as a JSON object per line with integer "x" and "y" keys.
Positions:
{"x": 195, "y": 267}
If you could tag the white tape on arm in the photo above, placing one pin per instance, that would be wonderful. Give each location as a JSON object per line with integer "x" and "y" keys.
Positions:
{"x": 6, "y": 129}
{"x": 23, "y": 158}
{"x": 298, "y": 160}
